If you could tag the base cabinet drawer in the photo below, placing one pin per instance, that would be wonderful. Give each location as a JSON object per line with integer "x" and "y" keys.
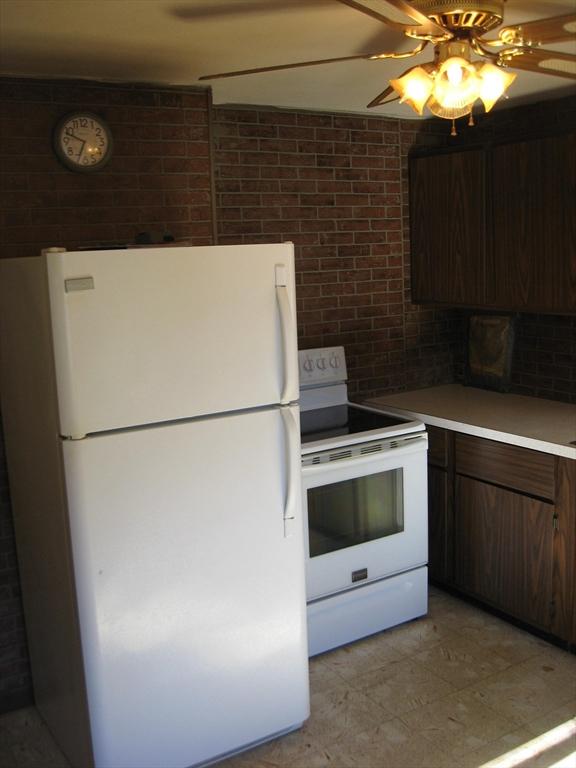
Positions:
{"x": 520, "y": 469}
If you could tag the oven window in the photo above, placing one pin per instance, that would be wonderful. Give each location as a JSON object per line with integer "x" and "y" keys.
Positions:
{"x": 355, "y": 511}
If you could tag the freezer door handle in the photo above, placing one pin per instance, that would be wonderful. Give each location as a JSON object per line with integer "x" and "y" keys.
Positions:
{"x": 287, "y": 327}
{"x": 292, "y": 442}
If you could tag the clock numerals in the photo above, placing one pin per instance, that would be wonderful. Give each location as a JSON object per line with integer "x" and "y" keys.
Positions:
{"x": 83, "y": 142}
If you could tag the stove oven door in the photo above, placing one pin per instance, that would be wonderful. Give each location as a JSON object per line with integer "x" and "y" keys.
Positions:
{"x": 365, "y": 513}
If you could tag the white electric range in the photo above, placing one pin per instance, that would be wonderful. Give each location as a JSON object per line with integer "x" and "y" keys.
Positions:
{"x": 365, "y": 509}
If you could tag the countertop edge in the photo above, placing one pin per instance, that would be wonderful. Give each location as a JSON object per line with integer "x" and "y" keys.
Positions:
{"x": 488, "y": 433}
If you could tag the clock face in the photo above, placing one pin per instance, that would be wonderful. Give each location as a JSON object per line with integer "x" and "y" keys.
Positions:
{"x": 83, "y": 141}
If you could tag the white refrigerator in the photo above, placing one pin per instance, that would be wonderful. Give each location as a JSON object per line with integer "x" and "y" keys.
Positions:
{"x": 149, "y": 400}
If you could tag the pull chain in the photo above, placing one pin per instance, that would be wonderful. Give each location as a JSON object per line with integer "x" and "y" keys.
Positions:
{"x": 453, "y": 131}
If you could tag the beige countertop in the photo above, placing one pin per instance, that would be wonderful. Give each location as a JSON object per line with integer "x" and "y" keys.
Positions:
{"x": 531, "y": 422}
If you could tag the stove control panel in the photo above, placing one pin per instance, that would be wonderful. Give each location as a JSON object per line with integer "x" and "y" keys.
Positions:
{"x": 326, "y": 365}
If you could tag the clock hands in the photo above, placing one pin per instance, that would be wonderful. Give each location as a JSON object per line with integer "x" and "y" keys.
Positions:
{"x": 77, "y": 138}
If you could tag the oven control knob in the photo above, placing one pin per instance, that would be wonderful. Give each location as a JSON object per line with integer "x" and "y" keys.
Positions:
{"x": 308, "y": 364}
{"x": 334, "y": 362}
{"x": 321, "y": 364}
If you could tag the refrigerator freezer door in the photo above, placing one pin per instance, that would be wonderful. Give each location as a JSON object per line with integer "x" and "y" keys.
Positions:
{"x": 191, "y": 598}
{"x": 151, "y": 335}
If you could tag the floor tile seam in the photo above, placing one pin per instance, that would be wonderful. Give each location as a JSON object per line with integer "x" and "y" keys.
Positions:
{"x": 552, "y": 687}
{"x": 517, "y": 729}
{"x": 511, "y": 668}
{"x": 350, "y": 681}
{"x": 415, "y": 709}
{"x": 457, "y": 687}
{"x": 465, "y": 752}
{"x": 368, "y": 731}
{"x": 334, "y": 672}
{"x": 332, "y": 744}
{"x": 530, "y": 722}
{"x": 520, "y": 723}
{"x": 362, "y": 689}
{"x": 476, "y": 695}
{"x": 466, "y": 639}
{"x": 389, "y": 715}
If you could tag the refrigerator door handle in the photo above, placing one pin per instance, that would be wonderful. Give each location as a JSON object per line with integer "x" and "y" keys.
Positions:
{"x": 292, "y": 443}
{"x": 287, "y": 327}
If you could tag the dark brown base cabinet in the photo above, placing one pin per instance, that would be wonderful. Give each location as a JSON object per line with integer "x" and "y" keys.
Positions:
{"x": 503, "y": 550}
{"x": 502, "y": 523}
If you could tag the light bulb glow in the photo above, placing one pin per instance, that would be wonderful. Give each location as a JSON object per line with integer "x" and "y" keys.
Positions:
{"x": 414, "y": 88}
{"x": 454, "y": 72}
{"x": 494, "y": 81}
{"x": 456, "y": 85}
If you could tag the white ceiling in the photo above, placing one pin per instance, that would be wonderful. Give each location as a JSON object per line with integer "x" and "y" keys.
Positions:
{"x": 176, "y": 41}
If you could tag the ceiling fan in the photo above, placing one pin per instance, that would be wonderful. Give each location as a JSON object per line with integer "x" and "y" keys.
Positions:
{"x": 452, "y": 83}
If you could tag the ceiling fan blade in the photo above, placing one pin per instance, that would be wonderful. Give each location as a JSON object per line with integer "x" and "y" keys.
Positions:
{"x": 423, "y": 25}
{"x": 552, "y": 30}
{"x": 381, "y": 98}
{"x": 277, "y": 67}
{"x": 542, "y": 61}
{"x": 209, "y": 10}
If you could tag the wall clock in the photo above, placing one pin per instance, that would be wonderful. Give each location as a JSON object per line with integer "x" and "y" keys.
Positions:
{"x": 83, "y": 141}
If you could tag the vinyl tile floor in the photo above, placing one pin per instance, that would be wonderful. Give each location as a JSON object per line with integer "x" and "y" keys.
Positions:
{"x": 458, "y": 688}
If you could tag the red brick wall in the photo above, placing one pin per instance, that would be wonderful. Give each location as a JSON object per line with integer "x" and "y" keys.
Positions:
{"x": 336, "y": 186}
{"x": 157, "y": 181}
{"x": 544, "y": 362}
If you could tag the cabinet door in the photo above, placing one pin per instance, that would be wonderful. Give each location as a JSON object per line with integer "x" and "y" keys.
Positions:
{"x": 439, "y": 551}
{"x": 447, "y": 228}
{"x": 503, "y": 544}
{"x": 532, "y": 266}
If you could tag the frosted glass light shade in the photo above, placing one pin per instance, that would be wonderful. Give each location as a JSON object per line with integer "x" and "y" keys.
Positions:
{"x": 456, "y": 85}
{"x": 449, "y": 113}
{"x": 414, "y": 88}
{"x": 494, "y": 81}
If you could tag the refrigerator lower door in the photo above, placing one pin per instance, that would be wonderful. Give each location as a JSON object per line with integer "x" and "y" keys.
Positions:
{"x": 153, "y": 335}
{"x": 191, "y": 597}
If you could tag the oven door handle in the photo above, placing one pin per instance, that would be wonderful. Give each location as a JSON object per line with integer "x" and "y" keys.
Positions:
{"x": 288, "y": 329}
{"x": 407, "y": 446}
{"x": 292, "y": 443}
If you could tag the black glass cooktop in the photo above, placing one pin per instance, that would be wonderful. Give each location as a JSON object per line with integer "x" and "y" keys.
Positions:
{"x": 324, "y": 423}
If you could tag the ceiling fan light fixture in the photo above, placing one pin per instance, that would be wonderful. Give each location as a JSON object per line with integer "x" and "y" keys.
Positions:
{"x": 414, "y": 88}
{"x": 494, "y": 82}
{"x": 456, "y": 85}
{"x": 448, "y": 113}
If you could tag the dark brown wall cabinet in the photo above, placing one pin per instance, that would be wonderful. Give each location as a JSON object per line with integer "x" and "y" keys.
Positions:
{"x": 447, "y": 228}
{"x": 503, "y": 528}
{"x": 495, "y": 228}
